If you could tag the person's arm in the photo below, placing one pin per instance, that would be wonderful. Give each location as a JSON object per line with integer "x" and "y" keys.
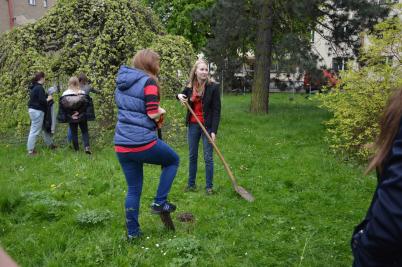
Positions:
{"x": 184, "y": 95}
{"x": 40, "y": 94}
{"x": 151, "y": 92}
{"x": 6, "y": 260}
{"x": 216, "y": 110}
{"x": 383, "y": 233}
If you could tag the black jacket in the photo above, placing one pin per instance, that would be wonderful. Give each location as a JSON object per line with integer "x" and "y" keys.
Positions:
{"x": 37, "y": 97}
{"x": 377, "y": 241}
{"x": 47, "y": 121}
{"x": 69, "y": 104}
{"x": 211, "y": 106}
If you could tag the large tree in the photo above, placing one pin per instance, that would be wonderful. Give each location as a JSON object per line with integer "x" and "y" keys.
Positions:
{"x": 282, "y": 32}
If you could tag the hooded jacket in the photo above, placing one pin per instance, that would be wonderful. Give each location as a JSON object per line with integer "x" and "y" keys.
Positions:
{"x": 134, "y": 127}
{"x": 378, "y": 239}
{"x": 37, "y": 97}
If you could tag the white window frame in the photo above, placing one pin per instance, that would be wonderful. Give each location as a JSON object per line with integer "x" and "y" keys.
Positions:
{"x": 32, "y": 2}
{"x": 45, "y": 3}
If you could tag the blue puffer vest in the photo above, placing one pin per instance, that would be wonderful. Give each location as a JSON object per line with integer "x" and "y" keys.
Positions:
{"x": 134, "y": 127}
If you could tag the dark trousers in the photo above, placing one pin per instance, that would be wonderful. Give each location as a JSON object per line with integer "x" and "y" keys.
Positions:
{"x": 363, "y": 259}
{"x": 132, "y": 165}
{"x": 84, "y": 131}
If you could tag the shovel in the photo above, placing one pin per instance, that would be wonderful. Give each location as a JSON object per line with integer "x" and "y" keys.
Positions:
{"x": 240, "y": 190}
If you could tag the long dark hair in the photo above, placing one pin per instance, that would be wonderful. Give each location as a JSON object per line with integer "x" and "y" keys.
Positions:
{"x": 38, "y": 75}
{"x": 389, "y": 126}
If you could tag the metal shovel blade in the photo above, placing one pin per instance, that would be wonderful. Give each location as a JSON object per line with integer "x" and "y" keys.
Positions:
{"x": 244, "y": 194}
{"x": 167, "y": 221}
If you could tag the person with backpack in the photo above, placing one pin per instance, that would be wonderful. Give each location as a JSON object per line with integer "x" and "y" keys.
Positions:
{"x": 136, "y": 142}
{"x": 87, "y": 89}
{"x": 377, "y": 240}
{"x": 37, "y": 106}
{"x": 73, "y": 106}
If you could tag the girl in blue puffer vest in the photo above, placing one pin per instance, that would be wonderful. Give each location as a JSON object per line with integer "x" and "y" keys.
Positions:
{"x": 136, "y": 141}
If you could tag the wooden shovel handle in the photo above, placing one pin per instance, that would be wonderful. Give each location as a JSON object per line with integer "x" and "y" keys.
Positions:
{"x": 232, "y": 178}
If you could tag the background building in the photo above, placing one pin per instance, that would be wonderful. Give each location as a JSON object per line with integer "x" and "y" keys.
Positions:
{"x": 335, "y": 57}
{"x": 19, "y": 12}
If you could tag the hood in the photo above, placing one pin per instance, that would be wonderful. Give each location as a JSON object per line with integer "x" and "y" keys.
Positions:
{"x": 127, "y": 77}
{"x": 32, "y": 85}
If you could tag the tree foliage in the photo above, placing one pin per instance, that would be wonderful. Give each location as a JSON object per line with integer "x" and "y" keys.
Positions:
{"x": 234, "y": 27}
{"x": 180, "y": 18}
{"x": 94, "y": 37}
{"x": 358, "y": 101}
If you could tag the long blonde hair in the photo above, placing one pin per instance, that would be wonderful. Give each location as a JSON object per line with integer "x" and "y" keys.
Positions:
{"x": 74, "y": 84}
{"x": 389, "y": 126}
{"x": 193, "y": 77}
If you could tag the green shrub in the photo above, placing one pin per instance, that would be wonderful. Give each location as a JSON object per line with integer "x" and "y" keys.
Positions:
{"x": 185, "y": 251}
{"x": 93, "y": 217}
{"x": 359, "y": 99}
{"x": 177, "y": 56}
{"x": 43, "y": 206}
{"x": 94, "y": 37}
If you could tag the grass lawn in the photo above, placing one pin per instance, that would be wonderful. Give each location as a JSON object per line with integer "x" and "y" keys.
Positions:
{"x": 66, "y": 209}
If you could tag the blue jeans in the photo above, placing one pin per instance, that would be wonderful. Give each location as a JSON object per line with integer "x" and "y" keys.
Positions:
{"x": 194, "y": 134}
{"x": 132, "y": 165}
{"x": 69, "y": 135}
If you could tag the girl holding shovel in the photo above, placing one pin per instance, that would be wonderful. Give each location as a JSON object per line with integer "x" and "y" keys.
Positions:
{"x": 204, "y": 98}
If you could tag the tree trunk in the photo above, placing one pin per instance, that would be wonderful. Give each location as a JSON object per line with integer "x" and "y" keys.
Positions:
{"x": 263, "y": 51}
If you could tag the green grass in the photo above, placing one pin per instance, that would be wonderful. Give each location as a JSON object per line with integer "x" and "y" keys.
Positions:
{"x": 66, "y": 209}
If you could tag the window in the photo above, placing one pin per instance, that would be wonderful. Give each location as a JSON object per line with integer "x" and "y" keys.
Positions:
{"x": 45, "y": 3}
{"x": 32, "y": 2}
{"x": 340, "y": 63}
{"x": 383, "y": 2}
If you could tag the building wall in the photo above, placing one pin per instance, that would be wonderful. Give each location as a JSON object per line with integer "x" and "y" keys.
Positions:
{"x": 4, "y": 18}
{"x": 331, "y": 55}
{"x": 23, "y": 12}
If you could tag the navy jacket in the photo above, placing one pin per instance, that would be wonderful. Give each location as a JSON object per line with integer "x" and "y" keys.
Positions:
{"x": 211, "y": 106}
{"x": 379, "y": 236}
{"x": 133, "y": 127}
{"x": 37, "y": 97}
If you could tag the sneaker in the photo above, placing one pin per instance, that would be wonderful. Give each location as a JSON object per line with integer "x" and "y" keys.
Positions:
{"x": 32, "y": 153}
{"x": 133, "y": 237}
{"x": 52, "y": 147}
{"x": 87, "y": 150}
{"x": 209, "y": 191}
{"x": 165, "y": 207}
{"x": 191, "y": 188}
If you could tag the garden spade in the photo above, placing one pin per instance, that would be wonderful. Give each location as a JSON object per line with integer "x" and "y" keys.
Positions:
{"x": 240, "y": 190}
{"x": 167, "y": 221}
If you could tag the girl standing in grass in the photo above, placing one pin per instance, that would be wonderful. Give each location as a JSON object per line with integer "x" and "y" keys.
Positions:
{"x": 73, "y": 104}
{"x": 37, "y": 106}
{"x": 204, "y": 98}
{"x": 377, "y": 241}
{"x": 136, "y": 141}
